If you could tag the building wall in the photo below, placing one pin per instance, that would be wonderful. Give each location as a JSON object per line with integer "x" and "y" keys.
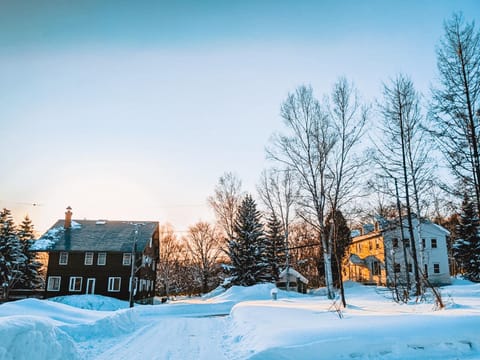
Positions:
{"x": 433, "y": 260}
{"x": 370, "y": 249}
{"x": 113, "y": 267}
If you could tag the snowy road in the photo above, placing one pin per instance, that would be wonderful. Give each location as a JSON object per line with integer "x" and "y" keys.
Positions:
{"x": 174, "y": 338}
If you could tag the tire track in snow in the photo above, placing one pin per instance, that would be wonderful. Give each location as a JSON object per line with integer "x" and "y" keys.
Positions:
{"x": 174, "y": 338}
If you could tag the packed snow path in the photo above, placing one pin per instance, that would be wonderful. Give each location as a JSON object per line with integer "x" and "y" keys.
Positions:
{"x": 174, "y": 338}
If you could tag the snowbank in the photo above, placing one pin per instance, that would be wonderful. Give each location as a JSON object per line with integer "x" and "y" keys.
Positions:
{"x": 30, "y": 337}
{"x": 92, "y": 302}
{"x": 295, "y": 326}
{"x": 372, "y": 327}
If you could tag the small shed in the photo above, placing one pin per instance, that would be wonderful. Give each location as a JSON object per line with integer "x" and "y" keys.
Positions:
{"x": 296, "y": 281}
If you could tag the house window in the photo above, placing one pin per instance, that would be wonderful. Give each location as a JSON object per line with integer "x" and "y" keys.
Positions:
{"x": 370, "y": 245}
{"x": 375, "y": 268}
{"x": 406, "y": 242}
{"x": 434, "y": 243}
{"x": 397, "y": 267}
{"x": 436, "y": 268}
{"x": 410, "y": 268}
{"x": 54, "y": 283}
{"x": 89, "y": 258}
{"x": 127, "y": 259}
{"x": 63, "y": 258}
{"x": 426, "y": 271}
{"x": 75, "y": 283}
{"x": 377, "y": 244}
{"x": 395, "y": 242}
{"x": 114, "y": 284}
{"x": 102, "y": 258}
{"x": 423, "y": 243}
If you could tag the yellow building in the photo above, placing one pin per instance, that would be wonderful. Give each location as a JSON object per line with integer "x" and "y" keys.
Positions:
{"x": 365, "y": 261}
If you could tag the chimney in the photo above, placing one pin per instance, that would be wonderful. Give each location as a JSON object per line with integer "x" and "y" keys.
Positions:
{"x": 68, "y": 218}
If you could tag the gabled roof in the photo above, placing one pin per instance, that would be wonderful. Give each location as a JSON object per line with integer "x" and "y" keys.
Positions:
{"x": 294, "y": 273}
{"x": 91, "y": 235}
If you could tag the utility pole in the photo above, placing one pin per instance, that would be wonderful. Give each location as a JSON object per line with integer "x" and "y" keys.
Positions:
{"x": 132, "y": 268}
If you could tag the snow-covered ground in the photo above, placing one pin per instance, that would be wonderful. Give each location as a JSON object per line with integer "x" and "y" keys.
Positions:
{"x": 245, "y": 323}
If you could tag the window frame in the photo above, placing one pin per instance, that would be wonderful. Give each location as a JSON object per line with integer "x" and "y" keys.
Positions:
{"x": 436, "y": 268}
{"x": 88, "y": 256}
{"x": 72, "y": 284}
{"x": 433, "y": 243}
{"x": 127, "y": 256}
{"x": 111, "y": 283}
{"x": 50, "y": 285}
{"x": 103, "y": 256}
{"x": 61, "y": 255}
{"x": 397, "y": 268}
{"x": 395, "y": 243}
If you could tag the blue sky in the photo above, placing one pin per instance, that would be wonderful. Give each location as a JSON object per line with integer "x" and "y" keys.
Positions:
{"x": 132, "y": 110}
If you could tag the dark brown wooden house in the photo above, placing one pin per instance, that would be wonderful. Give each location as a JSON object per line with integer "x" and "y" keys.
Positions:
{"x": 98, "y": 257}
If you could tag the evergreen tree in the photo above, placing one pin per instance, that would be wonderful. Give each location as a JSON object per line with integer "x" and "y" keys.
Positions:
{"x": 12, "y": 260}
{"x": 275, "y": 246}
{"x": 467, "y": 245}
{"x": 247, "y": 247}
{"x": 342, "y": 238}
{"x": 31, "y": 278}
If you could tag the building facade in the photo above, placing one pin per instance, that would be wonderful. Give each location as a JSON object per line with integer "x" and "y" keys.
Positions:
{"x": 100, "y": 257}
{"x": 383, "y": 256}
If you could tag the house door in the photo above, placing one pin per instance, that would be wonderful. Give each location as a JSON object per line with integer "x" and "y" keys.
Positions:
{"x": 90, "y": 286}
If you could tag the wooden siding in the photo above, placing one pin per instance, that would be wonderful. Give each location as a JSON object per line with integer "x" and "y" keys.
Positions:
{"x": 145, "y": 270}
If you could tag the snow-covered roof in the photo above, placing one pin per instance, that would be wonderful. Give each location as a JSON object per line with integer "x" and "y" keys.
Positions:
{"x": 295, "y": 273}
{"x": 90, "y": 235}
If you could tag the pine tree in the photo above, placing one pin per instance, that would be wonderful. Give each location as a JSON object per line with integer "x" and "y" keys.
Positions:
{"x": 247, "y": 247}
{"x": 342, "y": 238}
{"x": 467, "y": 245}
{"x": 12, "y": 260}
{"x": 31, "y": 278}
{"x": 275, "y": 246}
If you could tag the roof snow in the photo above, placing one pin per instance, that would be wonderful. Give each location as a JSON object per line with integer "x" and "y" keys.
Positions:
{"x": 48, "y": 240}
{"x": 293, "y": 272}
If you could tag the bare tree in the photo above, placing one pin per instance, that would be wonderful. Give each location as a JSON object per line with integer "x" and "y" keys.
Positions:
{"x": 455, "y": 110}
{"x": 349, "y": 118}
{"x": 171, "y": 255}
{"x": 403, "y": 153}
{"x": 306, "y": 150}
{"x": 278, "y": 191}
{"x": 202, "y": 242}
{"x": 318, "y": 150}
{"x": 225, "y": 202}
